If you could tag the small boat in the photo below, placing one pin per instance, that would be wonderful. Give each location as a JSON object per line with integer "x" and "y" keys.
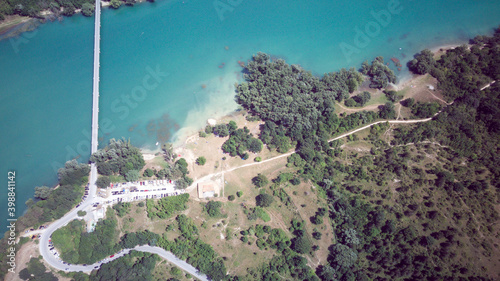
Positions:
{"x": 157, "y": 143}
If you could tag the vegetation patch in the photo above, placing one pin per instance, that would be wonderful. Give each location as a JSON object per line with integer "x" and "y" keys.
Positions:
{"x": 166, "y": 206}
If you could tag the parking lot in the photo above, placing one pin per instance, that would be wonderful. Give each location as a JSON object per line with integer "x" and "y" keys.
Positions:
{"x": 135, "y": 191}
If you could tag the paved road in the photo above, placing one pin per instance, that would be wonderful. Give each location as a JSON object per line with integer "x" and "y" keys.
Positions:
{"x": 173, "y": 259}
{"x": 57, "y": 263}
{"x": 95, "y": 88}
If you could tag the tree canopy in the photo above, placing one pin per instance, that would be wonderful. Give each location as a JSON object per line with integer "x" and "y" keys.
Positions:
{"x": 264, "y": 200}
{"x": 380, "y": 74}
{"x": 118, "y": 157}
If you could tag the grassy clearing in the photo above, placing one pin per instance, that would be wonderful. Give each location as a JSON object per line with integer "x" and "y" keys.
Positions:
{"x": 305, "y": 197}
{"x": 117, "y": 178}
{"x": 378, "y": 98}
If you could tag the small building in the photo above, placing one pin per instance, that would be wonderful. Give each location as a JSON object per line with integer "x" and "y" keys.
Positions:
{"x": 206, "y": 189}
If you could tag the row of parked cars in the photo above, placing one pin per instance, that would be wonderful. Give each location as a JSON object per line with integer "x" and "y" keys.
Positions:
{"x": 155, "y": 182}
{"x": 146, "y": 190}
{"x": 153, "y": 196}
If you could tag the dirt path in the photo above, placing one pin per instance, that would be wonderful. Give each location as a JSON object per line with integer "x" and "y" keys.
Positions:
{"x": 368, "y": 108}
{"x": 207, "y": 177}
{"x": 422, "y": 142}
{"x": 436, "y": 97}
{"x": 487, "y": 85}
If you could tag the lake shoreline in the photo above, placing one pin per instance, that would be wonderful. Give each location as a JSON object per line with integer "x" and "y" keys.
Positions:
{"x": 192, "y": 134}
{"x": 15, "y": 25}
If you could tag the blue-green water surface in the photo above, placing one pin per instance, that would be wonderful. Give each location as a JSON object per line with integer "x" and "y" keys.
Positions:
{"x": 172, "y": 64}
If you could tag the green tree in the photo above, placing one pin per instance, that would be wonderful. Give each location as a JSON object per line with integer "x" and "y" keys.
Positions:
{"x": 201, "y": 160}
{"x": 239, "y": 193}
{"x": 81, "y": 213}
{"x": 264, "y": 200}
{"x": 260, "y": 180}
{"x": 103, "y": 182}
{"x": 344, "y": 256}
{"x": 409, "y": 102}
{"x": 42, "y": 192}
{"x": 301, "y": 245}
{"x": 317, "y": 235}
{"x": 116, "y": 3}
{"x": 317, "y": 219}
{"x": 87, "y": 9}
{"x": 175, "y": 271}
{"x": 350, "y": 103}
{"x": 379, "y": 73}
{"x": 255, "y": 145}
{"x": 231, "y": 198}
{"x": 213, "y": 208}
{"x": 423, "y": 62}
{"x": 221, "y": 130}
{"x": 148, "y": 173}
{"x": 387, "y": 111}
{"x": 232, "y": 125}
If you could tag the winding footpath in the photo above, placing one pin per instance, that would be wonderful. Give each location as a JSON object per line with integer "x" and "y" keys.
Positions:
{"x": 58, "y": 264}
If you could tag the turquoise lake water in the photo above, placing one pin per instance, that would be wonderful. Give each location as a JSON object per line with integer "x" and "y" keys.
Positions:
{"x": 165, "y": 66}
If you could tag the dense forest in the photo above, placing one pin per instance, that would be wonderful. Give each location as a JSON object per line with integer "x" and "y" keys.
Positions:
{"x": 33, "y": 8}
{"x": 119, "y": 157}
{"x": 427, "y": 229}
{"x": 297, "y": 107}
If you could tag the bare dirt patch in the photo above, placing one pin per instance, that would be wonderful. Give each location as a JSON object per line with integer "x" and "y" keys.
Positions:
{"x": 418, "y": 89}
{"x": 306, "y": 201}
{"x": 23, "y": 256}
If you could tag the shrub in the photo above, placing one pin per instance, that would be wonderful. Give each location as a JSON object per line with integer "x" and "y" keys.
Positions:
{"x": 148, "y": 173}
{"x": 264, "y": 200}
{"x": 260, "y": 180}
{"x": 87, "y": 9}
{"x": 301, "y": 245}
{"x": 103, "y": 182}
{"x": 257, "y": 159}
{"x": 213, "y": 208}
{"x": 201, "y": 160}
{"x": 231, "y": 198}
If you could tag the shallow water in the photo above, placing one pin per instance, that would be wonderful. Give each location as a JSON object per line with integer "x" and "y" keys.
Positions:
{"x": 172, "y": 64}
